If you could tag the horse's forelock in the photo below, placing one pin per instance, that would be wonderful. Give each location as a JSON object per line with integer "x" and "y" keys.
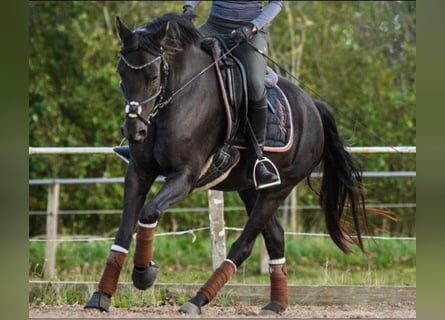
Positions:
{"x": 148, "y": 37}
{"x": 182, "y": 29}
{"x": 141, "y": 39}
{"x": 175, "y": 26}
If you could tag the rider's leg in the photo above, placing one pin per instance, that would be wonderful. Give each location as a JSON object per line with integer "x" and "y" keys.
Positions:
{"x": 255, "y": 65}
{"x": 258, "y": 118}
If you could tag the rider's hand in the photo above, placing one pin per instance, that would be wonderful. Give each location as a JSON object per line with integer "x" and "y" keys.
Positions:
{"x": 189, "y": 12}
{"x": 244, "y": 33}
{"x": 188, "y": 9}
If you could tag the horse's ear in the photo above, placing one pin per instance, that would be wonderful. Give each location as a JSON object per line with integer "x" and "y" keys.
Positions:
{"x": 122, "y": 30}
{"x": 169, "y": 43}
{"x": 166, "y": 33}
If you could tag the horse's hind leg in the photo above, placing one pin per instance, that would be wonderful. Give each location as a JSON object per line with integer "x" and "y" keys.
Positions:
{"x": 261, "y": 213}
{"x": 273, "y": 235}
{"x": 135, "y": 193}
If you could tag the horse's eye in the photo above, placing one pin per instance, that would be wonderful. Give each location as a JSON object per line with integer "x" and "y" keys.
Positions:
{"x": 152, "y": 77}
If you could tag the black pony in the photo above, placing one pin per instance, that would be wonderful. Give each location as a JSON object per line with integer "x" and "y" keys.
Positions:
{"x": 175, "y": 121}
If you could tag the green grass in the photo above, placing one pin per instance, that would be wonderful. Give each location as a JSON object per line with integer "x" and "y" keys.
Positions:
{"x": 310, "y": 261}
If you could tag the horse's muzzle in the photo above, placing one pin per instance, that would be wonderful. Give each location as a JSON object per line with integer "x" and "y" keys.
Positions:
{"x": 134, "y": 131}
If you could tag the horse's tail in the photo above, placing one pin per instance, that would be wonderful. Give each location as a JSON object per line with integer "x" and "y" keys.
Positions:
{"x": 341, "y": 186}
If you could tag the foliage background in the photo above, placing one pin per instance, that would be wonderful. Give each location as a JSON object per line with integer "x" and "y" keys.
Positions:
{"x": 359, "y": 56}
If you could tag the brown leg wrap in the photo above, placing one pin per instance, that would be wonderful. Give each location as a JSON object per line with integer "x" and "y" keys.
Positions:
{"x": 278, "y": 284}
{"x": 143, "y": 253}
{"x": 219, "y": 277}
{"x": 110, "y": 276}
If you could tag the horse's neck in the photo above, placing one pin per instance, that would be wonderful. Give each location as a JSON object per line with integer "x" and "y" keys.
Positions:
{"x": 187, "y": 65}
{"x": 192, "y": 73}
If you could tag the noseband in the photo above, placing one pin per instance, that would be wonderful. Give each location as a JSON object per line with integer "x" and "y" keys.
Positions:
{"x": 133, "y": 109}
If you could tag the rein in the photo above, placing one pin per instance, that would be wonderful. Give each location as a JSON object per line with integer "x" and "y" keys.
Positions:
{"x": 133, "y": 109}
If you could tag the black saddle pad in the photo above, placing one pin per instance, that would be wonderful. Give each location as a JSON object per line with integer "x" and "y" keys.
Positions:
{"x": 279, "y": 134}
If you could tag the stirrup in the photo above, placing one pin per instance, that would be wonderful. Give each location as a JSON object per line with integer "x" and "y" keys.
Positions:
{"x": 267, "y": 185}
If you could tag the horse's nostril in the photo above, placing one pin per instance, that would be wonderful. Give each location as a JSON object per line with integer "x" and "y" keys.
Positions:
{"x": 142, "y": 133}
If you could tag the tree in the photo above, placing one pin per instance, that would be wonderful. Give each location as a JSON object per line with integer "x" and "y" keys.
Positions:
{"x": 358, "y": 56}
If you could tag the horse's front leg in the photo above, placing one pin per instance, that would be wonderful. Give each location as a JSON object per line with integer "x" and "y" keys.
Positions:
{"x": 177, "y": 186}
{"x": 135, "y": 191}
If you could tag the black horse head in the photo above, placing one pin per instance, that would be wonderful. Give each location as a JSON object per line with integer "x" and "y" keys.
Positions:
{"x": 144, "y": 68}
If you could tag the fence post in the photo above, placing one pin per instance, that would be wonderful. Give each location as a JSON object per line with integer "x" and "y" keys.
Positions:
{"x": 295, "y": 215}
{"x": 264, "y": 258}
{"x": 217, "y": 234}
{"x": 51, "y": 229}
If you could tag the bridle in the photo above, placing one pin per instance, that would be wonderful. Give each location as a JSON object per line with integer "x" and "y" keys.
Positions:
{"x": 133, "y": 109}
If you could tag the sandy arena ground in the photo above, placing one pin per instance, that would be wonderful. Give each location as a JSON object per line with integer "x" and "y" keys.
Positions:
{"x": 403, "y": 310}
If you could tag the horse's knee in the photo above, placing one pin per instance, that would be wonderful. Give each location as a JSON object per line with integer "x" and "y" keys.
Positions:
{"x": 149, "y": 214}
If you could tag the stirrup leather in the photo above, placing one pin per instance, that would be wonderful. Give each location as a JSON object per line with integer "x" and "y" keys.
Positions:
{"x": 263, "y": 186}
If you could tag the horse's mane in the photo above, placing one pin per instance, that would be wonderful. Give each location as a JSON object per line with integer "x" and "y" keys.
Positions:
{"x": 175, "y": 31}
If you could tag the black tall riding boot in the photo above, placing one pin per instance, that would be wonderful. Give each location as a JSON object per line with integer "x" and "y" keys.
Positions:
{"x": 262, "y": 176}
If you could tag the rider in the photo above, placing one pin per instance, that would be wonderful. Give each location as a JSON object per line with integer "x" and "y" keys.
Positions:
{"x": 246, "y": 21}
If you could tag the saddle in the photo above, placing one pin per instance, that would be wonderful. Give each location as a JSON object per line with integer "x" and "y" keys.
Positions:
{"x": 234, "y": 87}
{"x": 233, "y": 83}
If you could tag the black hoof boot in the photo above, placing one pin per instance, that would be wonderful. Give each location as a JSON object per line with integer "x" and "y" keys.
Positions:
{"x": 190, "y": 308}
{"x": 99, "y": 300}
{"x": 272, "y": 308}
{"x": 144, "y": 278}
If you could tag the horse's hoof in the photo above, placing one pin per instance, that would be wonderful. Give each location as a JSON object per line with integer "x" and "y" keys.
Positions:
{"x": 190, "y": 308}
{"x": 99, "y": 300}
{"x": 272, "y": 308}
{"x": 144, "y": 279}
